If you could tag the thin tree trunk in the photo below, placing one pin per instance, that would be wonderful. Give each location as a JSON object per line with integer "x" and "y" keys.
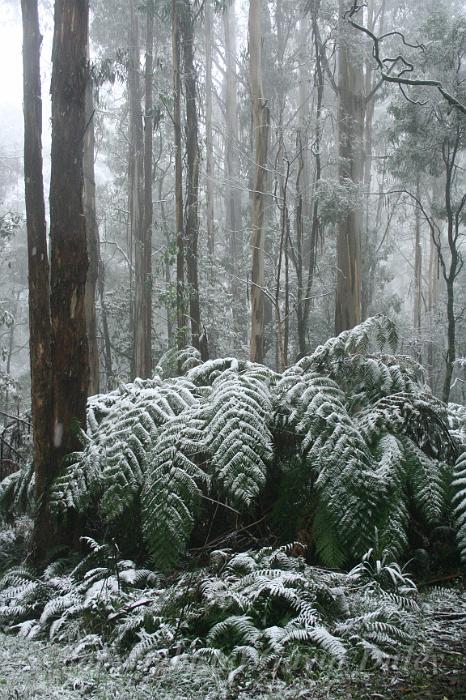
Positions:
{"x": 192, "y": 176}
{"x": 38, "y": 265}
{"x": 69, "y": 261}
{"x": 92, "y": 233}
{"x": 304, "y": 120}
{"x": 144, "y": 358}
{"x": 350, "y": 148}
{"x": 109, "y": 375}
{"x": 451, "y": 340}
{"x": 260, "y": 115}
{"x": 450, "y": 152}
{"x": 232, "y": 175}
{"x": 367, "y": 248}
{"x": 209, "y": 136}
{"x": 136, "y": 194}
{"x": 417, "y": 266}
{"x": 181, "y": 321}
{"x": 166, "y": 232}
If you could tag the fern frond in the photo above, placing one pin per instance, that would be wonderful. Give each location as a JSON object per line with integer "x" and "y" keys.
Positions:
{"x": 172, "y": 488}
{"x": 238, "y": 435}
{"x": 459, "y": 502}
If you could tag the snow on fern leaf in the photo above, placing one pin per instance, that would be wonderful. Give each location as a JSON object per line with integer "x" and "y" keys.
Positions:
{"x": 459, "y": 502}
{"x": 238, "y": 435}
{"x": 172, "y": 487}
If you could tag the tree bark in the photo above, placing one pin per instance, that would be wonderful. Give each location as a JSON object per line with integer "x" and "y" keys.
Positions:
{"x": 143, "y": 346}
{"x": 69, "y": 261}
{"x": 192, "y": 176}
{"x": 232, "y": 175}
{"x": 209, "y": 137}
{"x": 350, "y": 150}
{"x": 137, "y": 199}
{"x": 93, "y": 246}
{"x": 109, "y": 374}
{"x": 260, "y": 116}
{"x": 38, "y": 265}
{"x": 417, "y": 310}
{"x": 367, "y": 247}
{"x": 181, "y": 321}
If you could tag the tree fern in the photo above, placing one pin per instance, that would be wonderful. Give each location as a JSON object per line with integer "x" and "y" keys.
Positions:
{"x": 356, "y": 427}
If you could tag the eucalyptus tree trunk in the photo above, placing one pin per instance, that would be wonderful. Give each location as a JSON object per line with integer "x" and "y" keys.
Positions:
{"x": 454, "y": 213}
{"x": 432, "y": 301}
{"x": 304, "y": 77}
{"x": 38, "y": 266}
{"x": 69, "y": 261}
{"x": 306, "y": 245}
{"x": 143, "y": 252}
{"x": 367, "y": 248}
{"x": 92, "y": 233}
{"x": 417, "y": 309}
{"x": 192, "y": 175}
{"x": 107, "y": 348}
{"x": 351, "y": 106}
{"x": 209, "y": 136}
{"x": 260, "y": 117}
{"x": 232, "y": 173}
{"x": 136, "y": 193}
{"x": 181, "y": 321}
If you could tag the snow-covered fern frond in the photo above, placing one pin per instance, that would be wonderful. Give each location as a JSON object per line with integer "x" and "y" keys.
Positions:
{"x": 459, "y": 502}
{"x": 112, "y": 463}
{"x": 357, "y": 340}
{"x": 172, "y": 487}
{"x": 238, "y": 436}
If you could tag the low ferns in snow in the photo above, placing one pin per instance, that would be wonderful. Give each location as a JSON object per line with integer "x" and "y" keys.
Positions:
{"x": 194, "y": 454}
{"x": 263, "y": 608}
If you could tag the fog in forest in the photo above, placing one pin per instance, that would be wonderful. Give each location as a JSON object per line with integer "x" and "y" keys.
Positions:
{"x": 233, "y": 345}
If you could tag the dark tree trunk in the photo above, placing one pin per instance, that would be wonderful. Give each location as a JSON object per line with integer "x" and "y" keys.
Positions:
{"x": 181, "y": 325}
{"x": 209, "y": 26}
{"x": 233, "y": 217}
{"x": 192, "y": 184}
{"x": 143, "y": 301}
{"x": 107, "y": 349}
{"x": 136, "y": 194}
{"x": 69, "y": 262}
{"x": 39, "y": 292}
{"x": 93, "y": 246}
{"x": 260, "y": 114}
{"x": 351, "y": 107}
{"x": 417, "y": 313}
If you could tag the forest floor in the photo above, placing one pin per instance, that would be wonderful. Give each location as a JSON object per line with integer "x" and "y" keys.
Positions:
{"x": 33, "y": 670}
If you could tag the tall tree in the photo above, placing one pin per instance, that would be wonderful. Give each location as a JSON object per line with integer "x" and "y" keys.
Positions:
{"x": 417, "y": 307}
{"x": 143, "y": 310}
{"x": 351, "y": 107}
{"x": 92, "y": 232}
{"x": 233, "y": 222}
{"x": 69, "y": 261}
{"x": 136, "y": 193}
{"x": 192, "y": 175}
{"x": 209, "y": 133}
{"x": 181, "y": 331}
{"x": 39, "y": 299}
{"x": 260, "y": 118}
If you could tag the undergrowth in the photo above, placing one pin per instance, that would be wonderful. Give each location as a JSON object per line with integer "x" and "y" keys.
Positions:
{"x": 263, "y": 609}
